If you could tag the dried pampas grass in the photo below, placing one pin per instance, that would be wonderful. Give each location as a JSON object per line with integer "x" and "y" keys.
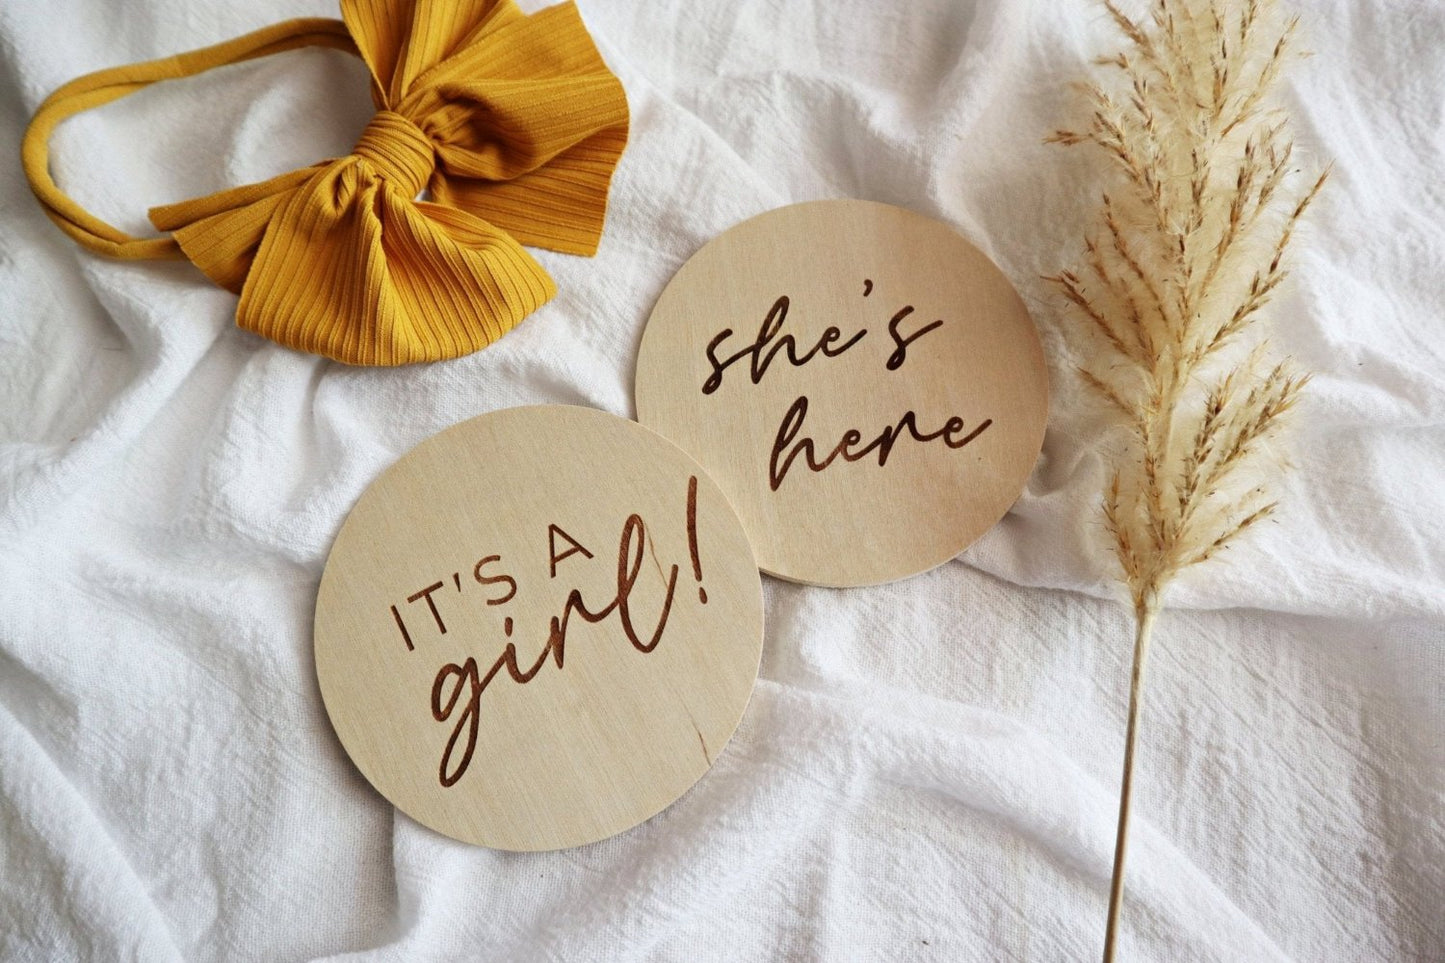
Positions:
{"x": 1188, "y": 251}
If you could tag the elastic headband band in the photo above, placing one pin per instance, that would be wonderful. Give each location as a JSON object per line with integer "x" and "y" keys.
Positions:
{"x": 512, "y": 123}
{"x": 103, "y": 86}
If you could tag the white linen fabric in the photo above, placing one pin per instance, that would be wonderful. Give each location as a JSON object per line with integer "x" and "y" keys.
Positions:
{"x": 927, "y": 770}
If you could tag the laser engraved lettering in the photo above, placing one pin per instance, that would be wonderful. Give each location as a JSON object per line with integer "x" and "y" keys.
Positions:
{"x": 827, "y": 344}
{"x": 426, "y": 594}
{"x": 458, "y": 688}
{"x": 900, "y": 352}
{"x": 484, "y": 579}
{"x": 852, "y": 446}
{"x": 847, "y": 448}
{"x": 552, "y": 532}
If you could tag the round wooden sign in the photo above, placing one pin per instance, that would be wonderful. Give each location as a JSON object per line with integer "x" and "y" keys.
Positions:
{"x": 538, "y": 628}
{"x": 864, "y": 384}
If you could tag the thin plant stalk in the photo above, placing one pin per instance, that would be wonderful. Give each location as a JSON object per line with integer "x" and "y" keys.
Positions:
{"x": 1144, "y": 626}
{"x": 1188, "y": 251}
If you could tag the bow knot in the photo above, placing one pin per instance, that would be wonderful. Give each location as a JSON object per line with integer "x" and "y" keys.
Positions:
{"x": 399, "y": 151}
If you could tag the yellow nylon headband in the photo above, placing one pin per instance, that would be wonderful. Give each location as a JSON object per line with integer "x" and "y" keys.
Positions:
{"x": 101, "y": 87}
{"x": 512, "y": 123}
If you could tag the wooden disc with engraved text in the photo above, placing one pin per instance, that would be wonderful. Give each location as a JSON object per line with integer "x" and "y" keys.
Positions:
{"x": 863, "y": 383}
{"x": 538, "y": 628}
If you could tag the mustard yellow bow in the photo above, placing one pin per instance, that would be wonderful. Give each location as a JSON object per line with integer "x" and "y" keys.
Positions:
{"x": 511, "y": 123}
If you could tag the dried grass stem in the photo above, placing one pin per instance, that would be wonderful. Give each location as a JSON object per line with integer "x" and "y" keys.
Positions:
{"x": 1188, "y": 250}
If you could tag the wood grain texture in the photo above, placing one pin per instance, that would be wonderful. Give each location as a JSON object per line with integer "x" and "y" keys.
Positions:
{"x": 799, "y": 358}
{"x": 603, "y": 577}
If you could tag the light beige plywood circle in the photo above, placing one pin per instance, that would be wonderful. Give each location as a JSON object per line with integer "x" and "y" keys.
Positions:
{"x": 538, "y": 628}
{"x": 863, "y": 383}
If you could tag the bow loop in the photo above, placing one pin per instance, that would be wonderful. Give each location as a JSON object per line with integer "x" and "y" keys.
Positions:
{"x": 398, "y": 150}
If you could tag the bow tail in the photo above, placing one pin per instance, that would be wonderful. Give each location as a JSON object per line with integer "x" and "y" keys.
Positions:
{"x": 461, "y": 281}
{"x": 351, "y": 269}
{"x": 221, "y": 232}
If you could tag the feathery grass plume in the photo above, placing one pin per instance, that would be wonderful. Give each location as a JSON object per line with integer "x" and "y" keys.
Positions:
{"x": 1188, "y": 250}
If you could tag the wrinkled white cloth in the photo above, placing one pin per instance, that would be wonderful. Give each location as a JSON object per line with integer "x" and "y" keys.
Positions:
{"x": 927, "y": 770}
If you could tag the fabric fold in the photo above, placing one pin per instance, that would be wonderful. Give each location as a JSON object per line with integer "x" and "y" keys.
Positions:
{"x": 511, "y": 123}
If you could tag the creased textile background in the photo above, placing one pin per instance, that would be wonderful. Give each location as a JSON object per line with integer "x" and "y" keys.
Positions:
{"x": 927, "y": 770}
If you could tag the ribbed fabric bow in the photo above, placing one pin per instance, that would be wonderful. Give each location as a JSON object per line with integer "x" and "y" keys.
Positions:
{"x": 512, "y": 124}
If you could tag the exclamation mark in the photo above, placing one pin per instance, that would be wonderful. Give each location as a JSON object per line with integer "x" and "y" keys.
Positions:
{"x": 692, "y": 537}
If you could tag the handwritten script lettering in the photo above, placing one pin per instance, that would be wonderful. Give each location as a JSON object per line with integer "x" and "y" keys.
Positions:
{"x": 901, "y": 343}
{"x": 761, "y": 358}
{"x": 787, "y": 445}
{"x": 951, "y": 434}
